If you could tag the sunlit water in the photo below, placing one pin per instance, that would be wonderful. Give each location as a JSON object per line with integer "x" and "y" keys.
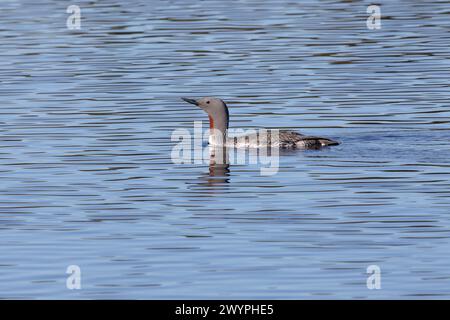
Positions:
{"x": 85, "y": 171}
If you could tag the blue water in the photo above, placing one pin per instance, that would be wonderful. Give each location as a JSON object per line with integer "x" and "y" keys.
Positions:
{"x": 86, "y": 176}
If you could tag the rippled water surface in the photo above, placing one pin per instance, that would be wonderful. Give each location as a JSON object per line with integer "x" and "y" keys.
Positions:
{"x": 86, "y": 176}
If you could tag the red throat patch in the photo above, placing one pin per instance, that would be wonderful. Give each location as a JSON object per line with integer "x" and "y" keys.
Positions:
{"x": 211, "y": 122}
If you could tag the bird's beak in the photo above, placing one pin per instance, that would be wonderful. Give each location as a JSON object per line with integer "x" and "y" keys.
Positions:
{"x": 191, "y": 101}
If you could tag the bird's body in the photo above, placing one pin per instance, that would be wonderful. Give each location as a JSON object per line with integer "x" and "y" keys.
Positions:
{"x": 285, "y": 139}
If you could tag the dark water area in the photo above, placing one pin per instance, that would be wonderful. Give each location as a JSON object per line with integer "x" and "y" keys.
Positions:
{"x": 87, "y": 179}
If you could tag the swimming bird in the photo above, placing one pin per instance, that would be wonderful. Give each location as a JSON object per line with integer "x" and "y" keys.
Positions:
{"x": 218, "y": 114}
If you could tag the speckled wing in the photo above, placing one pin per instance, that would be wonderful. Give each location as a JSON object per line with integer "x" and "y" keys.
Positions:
{"x": 292, "y": 139}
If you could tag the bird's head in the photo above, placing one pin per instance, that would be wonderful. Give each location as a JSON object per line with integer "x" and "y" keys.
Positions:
{"x": 216, "y": 109}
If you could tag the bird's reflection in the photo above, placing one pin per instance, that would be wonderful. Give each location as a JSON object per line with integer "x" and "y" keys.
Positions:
{"x": 219, "y": 166}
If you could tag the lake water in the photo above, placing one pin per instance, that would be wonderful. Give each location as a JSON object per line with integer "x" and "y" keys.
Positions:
{"x": 86, "y": 176}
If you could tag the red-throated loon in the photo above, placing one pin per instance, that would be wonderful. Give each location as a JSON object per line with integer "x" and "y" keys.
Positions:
{"x": 218, "y": 114}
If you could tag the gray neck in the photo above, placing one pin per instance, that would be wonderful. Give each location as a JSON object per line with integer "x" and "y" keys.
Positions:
{"x": 218, "y": 124}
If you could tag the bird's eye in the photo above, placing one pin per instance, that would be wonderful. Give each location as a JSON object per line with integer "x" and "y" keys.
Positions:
{"x": 207, "y": 102}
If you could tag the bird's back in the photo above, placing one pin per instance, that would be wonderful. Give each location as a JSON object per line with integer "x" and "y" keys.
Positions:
{"x": 286, "y": 140}
{"x": 292, "y": 139}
